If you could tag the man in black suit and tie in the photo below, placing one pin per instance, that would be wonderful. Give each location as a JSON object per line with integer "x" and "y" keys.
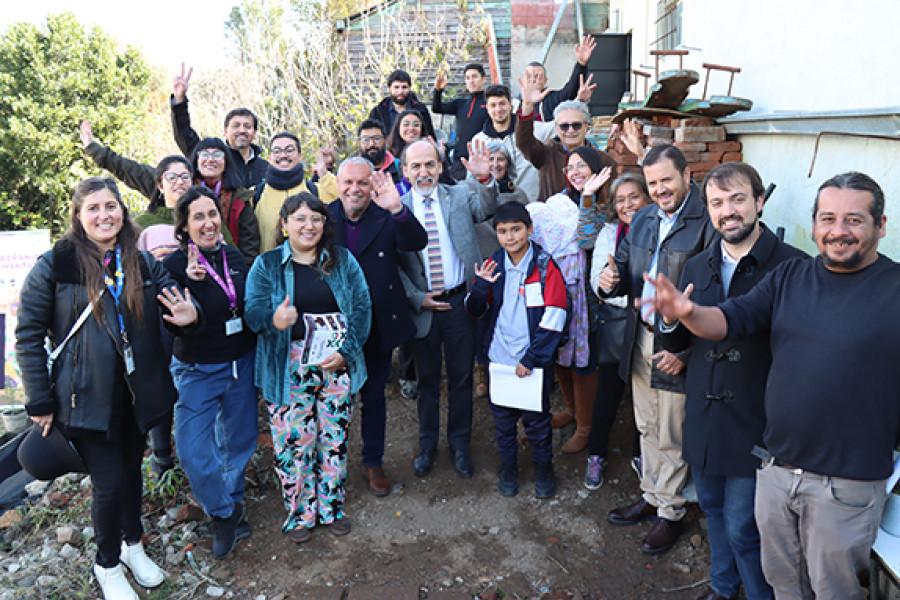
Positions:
{"x": 436, "y": 280}
{"x": 375, "y": 226}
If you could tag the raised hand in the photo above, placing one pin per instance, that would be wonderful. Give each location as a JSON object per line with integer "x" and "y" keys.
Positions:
{"x": 180, "y": 84}
{"x": 183, "y": 310}
{"x": 479, "y": 161}
{"x": 384, "y": 192}
{"x": 194, "y": 269}
{"x": 324, "y": 160}
{"x": 609, "y": 276}
{"x": 86, "y": 133}
{"x": 584, "y": 50}
{"x": 487, "y": 271}
{"x": 585, "y": 88}
{"x": 596, "y": 181}
{"x": 285, "y": 315}
{"x": 532, "y": 93}
{"x": 631, "y": 137}
{"x": 440, "y": 82}
{"x": 668, "y": 362}
{"x": 669, "y": 302}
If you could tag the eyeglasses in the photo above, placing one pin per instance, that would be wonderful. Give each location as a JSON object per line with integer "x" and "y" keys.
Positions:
{"x": 574, "y": 167}
{"x": 214, "y": 154}
{"x": 184, "y": 176}
{"x": 365, "y": 139}
{"x": 288, "y": 151}
{"x": 576, "y": 126}
{"x": 303, "y": 220}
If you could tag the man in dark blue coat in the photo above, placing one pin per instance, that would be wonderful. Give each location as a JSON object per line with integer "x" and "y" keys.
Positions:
{"x": 726, "y": 380}
{"x": 375, "y": 227}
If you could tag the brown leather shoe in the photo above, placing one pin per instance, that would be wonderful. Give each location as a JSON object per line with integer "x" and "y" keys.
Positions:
{"x": 711, "y": 594}
{"x": 662, "y": 536}
{"x": 340, "y": 526}
{"x": 631, "y": 514}
{"x": 378, "y": 481}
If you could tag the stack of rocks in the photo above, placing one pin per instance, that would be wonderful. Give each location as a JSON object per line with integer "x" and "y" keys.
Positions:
{"x": 699, "y": 138}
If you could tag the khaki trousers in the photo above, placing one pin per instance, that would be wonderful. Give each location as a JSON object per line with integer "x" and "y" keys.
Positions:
{"x": 659, "y": 416}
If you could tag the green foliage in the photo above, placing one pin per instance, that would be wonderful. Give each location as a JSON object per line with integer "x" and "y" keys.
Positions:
{"x": 51, "y": 78}
{"x": 165, "y": 490}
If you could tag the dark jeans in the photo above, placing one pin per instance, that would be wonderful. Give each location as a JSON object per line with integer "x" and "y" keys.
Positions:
{"x": 537, "y": 428}
{"x": 610, "y": 388}
{"x": 374, "y": 406}
{"x": 734, "y": 546}
{"x": 452, "y": 334}
{"x": 115, "y": 469}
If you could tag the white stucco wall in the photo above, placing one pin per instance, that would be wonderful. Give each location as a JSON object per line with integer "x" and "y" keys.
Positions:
{"x": 798, "y": 57}
{"x": 795, "y": 54}
{"x": 785, "y": 160}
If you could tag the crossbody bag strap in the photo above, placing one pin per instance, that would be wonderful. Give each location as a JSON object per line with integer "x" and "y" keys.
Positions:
{"x": 81, "y": 319}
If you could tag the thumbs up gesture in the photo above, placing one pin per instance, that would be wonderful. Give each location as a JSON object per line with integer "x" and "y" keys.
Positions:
{"x": 609, "y": 276}
{"x": 285, "y": 315}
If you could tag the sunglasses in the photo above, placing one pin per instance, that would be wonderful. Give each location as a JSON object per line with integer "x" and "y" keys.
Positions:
{"x": 573, "y": 126}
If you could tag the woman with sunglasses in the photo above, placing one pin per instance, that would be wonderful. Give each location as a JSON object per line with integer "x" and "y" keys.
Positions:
{"x": 309, "y": 302}
{"x": 573, "y": 120}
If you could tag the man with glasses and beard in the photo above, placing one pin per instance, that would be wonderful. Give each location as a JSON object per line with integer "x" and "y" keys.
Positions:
{"x": 724, "y": 417}
{"x": 373, "y": 146}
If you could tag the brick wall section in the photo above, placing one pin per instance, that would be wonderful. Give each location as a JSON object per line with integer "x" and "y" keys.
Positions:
{"x": 534, "y": 13}
{"x": 702, "y": 141}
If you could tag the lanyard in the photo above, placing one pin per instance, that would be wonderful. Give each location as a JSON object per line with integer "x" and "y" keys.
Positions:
{"x": 115, "y": 287}
{"x": 227, "y": 285}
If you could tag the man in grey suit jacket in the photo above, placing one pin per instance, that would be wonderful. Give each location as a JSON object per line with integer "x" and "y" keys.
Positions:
{"x": 436, "y": 291}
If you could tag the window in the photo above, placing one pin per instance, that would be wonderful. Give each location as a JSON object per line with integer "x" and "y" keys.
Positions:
{"x": 668, "y": 24}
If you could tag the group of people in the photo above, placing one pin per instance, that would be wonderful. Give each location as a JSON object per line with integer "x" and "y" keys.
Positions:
{"x": 525, "y": 249}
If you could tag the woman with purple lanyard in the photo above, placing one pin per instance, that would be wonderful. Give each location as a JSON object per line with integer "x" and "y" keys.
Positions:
{"x": 212, "y": 367}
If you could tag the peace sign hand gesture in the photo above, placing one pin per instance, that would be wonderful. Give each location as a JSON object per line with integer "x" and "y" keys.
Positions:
{"x": 180, "y": 84}
{"x": 194, "y": 269}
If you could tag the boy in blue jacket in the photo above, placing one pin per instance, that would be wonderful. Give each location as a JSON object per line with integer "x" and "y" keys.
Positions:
{"x": 523, "y": 294}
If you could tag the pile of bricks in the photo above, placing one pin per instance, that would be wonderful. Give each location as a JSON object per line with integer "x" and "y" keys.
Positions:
{"x": 699, "y": 138}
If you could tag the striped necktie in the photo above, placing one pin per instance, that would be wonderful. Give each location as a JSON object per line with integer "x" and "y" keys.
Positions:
{"x": 435, "y": 266}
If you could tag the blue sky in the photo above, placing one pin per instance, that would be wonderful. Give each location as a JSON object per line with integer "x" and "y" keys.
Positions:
{"x": 162, "y": 28}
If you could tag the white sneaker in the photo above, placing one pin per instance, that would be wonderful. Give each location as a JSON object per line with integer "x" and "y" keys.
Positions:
{"x": 114, "y": 584}
{"x": 145, "y": 572}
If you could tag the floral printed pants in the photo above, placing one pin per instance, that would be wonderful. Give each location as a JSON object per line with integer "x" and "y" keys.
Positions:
{"x": 309, "y": 436}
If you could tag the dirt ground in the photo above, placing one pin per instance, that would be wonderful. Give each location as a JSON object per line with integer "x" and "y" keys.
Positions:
{"x": 445, "y": 533}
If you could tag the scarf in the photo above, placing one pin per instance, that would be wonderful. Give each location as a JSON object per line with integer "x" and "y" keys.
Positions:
{"x": 284, "y": 180}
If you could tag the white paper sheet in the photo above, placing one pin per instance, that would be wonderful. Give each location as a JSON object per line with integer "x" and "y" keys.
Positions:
{"x": 515, "y": 392}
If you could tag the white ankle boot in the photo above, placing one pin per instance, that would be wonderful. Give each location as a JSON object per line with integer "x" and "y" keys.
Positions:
{"x": 145, "y": 572}
{"x": 114, "y": 584}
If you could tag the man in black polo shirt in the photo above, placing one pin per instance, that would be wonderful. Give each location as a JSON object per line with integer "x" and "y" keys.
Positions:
{"x": 831, "y": 398}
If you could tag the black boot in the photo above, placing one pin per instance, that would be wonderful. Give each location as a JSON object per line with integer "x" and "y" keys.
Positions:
{"x": 544, "y": 481}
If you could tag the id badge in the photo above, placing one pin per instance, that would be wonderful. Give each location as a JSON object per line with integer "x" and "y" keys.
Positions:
{"x": 128, "y": 353}
{"x": 233, "y": 326}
